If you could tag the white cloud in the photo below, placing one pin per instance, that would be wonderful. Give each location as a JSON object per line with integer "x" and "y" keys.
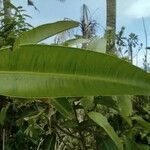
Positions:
{"x": 138, "y": 9}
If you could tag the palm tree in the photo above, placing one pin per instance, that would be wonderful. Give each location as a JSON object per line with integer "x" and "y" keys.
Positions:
{"x": 87, "y": 24}
{"x": 88, "y": 27}
{"x": 110, "y": 24}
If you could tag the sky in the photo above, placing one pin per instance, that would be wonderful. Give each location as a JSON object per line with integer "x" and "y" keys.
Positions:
{"x": 129, "y": 14}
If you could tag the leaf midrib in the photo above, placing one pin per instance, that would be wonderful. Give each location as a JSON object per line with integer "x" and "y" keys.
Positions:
{"x": 80, "y": 76}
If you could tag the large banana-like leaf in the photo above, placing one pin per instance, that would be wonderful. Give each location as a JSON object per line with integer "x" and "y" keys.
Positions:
{"x": 102, "y": 121}
{"x": 42, "y": 32}
{"x": 54, "y": 71}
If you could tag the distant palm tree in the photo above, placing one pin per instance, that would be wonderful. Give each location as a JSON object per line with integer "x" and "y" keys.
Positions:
{"x": 87, "y": 24}
{"x": 110, "y": 24}
{"x": 88, "y": 27}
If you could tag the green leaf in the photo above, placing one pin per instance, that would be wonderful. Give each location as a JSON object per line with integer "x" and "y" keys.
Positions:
{"x": 63, "y": 106}
{"x": 142, "y": 122}
{"x": 49, "y": 142}
{"x": 102, "y": 121}
{"x": 69, "y": 124}
{"x": 75, "y": 42}
{"x": 37, "y": 71}
{"x": 43, "y": 32}
{"x": 3, "y": 114}
{"x": 105, "y": 144}
{"x": 97, "y": 44}
{"x": 142, "y": 147}
{"x": 87, "y": 103}
{"x": 106, "y": 101}
{"x": 131, "y": 145}
{"x": 125, "y": 107}
{"x": 6, "y": 48}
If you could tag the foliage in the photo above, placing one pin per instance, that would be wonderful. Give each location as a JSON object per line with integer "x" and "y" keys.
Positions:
{"x": 59, "y": 97}
{"x": 128, "y": 46}
{"x": 13, "y": 26}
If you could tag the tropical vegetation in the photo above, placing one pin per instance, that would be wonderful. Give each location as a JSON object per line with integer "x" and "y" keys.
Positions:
{"x": 60, "y": 97}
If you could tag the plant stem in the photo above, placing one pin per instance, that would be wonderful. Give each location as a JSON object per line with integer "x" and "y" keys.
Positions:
{"x": 146, "y": 53}
{"x": 82, "y": 140}
{"x": 66, "y": 132}
{"x": 3, "y": 139}
{"x": 40, "y": 144}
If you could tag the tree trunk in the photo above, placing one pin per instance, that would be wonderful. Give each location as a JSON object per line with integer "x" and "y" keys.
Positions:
{"x": 111, "y": 25}
{"x": 7, "y": 11}
{"x": 111, "y": 14}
